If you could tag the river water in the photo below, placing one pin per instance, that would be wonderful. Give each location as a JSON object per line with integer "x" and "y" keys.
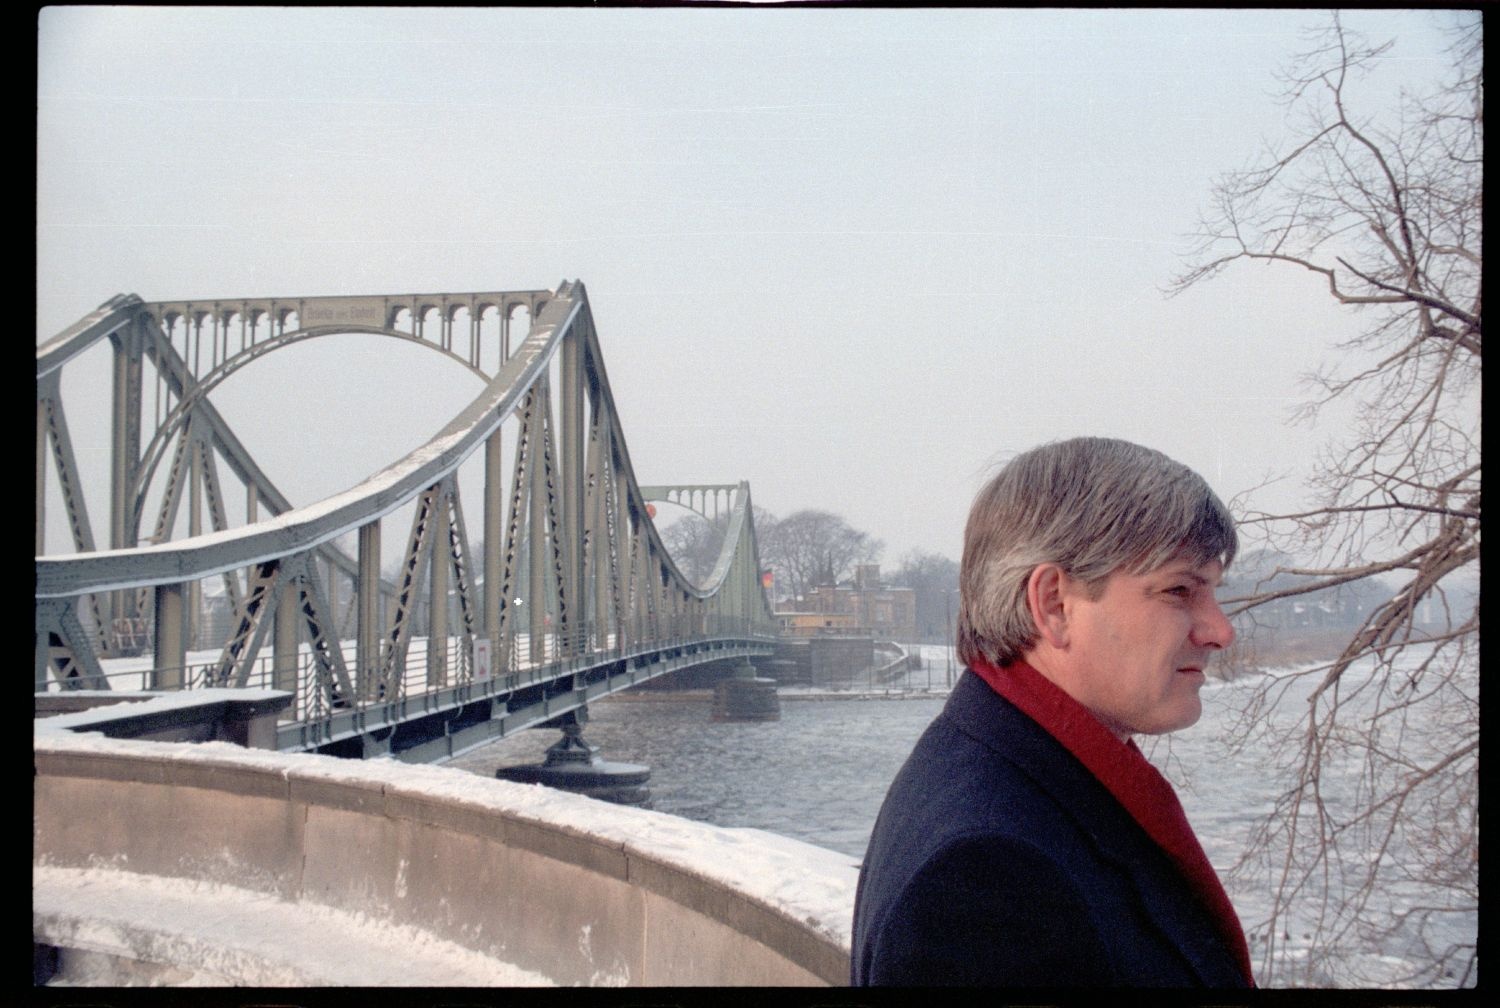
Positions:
{"x": 820, "y": 773}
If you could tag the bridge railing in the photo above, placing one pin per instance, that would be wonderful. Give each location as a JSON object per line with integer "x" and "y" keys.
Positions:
{"x": 511, "y": 671}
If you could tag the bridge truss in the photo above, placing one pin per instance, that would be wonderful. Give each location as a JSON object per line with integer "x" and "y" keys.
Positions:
{"x": 569, "y": 595}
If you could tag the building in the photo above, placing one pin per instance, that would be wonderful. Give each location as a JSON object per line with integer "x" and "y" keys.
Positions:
{"x": 809, "y": 624}
{"x": 862, "y": 605}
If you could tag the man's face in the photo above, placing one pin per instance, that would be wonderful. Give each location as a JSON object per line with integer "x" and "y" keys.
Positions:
{"x": 1137, "y": 653}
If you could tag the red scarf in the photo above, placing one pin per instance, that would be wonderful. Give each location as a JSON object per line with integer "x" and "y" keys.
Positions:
{"x": 1130, "y": 777}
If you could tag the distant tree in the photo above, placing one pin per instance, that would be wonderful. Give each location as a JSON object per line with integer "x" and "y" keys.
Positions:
{"x": 809, "y": 548}
{"x": 933, "y": 579}
{"x": 1263, "y": 571}
{"x": 1385, "y": 206}
{"x": 694, "y": 542}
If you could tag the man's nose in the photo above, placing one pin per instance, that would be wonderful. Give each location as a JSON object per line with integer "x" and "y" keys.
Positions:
{"x": 1212, "y": 628}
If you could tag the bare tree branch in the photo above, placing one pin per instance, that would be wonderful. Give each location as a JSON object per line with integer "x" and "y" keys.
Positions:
{"x": 1379, "y": 743}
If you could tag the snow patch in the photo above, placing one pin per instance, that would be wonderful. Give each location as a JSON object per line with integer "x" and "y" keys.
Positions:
{"x": 244, "y": 937}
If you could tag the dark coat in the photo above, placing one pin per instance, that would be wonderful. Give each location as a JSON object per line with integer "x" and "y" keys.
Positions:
{"x": 999, "y": 860}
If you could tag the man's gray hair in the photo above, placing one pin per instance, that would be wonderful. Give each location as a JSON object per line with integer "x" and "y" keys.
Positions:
{"x": 1092, "y": 506}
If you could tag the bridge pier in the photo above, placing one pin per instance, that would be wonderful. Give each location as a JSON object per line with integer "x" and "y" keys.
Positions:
{"x": 572, "y": 764}
{"x": 746, "y": 696}
{"x": 376, "y": 743}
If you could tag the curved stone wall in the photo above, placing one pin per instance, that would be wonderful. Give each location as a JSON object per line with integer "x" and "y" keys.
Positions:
{"x": 555, "y": 888}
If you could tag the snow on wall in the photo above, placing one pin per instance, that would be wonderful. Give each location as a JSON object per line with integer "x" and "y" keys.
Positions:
{"x": 809, "y": 884}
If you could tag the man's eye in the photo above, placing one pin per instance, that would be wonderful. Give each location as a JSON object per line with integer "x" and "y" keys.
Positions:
{"x": 1182, "y": 591}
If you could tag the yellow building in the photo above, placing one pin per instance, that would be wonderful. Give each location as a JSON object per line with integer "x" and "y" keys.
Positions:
{"x": 809, "y": 624}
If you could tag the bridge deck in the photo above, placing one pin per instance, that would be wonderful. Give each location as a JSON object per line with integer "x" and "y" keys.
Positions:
{"x": 424, "y": 721}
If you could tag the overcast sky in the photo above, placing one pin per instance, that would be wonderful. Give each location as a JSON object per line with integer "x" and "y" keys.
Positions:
{"x": 857, "y": 257}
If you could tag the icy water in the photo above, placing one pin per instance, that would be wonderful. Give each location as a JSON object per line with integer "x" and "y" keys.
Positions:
{"x": 819, "y": 774}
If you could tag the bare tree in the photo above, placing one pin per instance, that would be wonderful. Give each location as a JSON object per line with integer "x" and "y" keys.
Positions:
{"x": 934, "y": 579}
{"x": 694, "y": 542}
{"x": 1374, "y": 842}
{"x": 809, "y": 548}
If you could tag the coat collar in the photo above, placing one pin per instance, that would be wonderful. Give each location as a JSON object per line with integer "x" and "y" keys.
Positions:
{"x": 1144, "y": 811}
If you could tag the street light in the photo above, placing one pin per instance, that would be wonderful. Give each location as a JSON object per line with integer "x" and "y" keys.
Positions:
{"x": 948, "y": 632}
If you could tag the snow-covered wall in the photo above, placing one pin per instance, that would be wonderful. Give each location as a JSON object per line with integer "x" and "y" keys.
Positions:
{"x": 490, "y": 882}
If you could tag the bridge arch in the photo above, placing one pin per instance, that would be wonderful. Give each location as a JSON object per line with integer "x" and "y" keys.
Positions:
{"x": 171, "y": 425}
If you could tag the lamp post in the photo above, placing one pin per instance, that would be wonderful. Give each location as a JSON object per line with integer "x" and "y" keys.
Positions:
{"x": 948, "y": 632}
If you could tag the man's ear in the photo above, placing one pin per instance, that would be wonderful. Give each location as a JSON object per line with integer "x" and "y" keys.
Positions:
{"x": 1046, "y": 589}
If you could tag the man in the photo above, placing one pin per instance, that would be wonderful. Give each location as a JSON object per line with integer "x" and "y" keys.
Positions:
{"x": 1026, "y": 841}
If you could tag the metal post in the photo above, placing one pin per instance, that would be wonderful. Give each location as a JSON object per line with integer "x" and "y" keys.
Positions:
{"x": 600, "y": 545}
{"x": 284, "y": 647}
{"x": 367, "y": 629}
{"x": 624, "y": 613}
{"x": 437, "y": 597}
{"x": 195, "y": 529}
{"x": 570, "y": 408}
{"x": 252, "y": 498}
{"x": 948, "y": 632}
{"x": 332, "y": 581}
{"x": 169, "y": 667}
{"x": 536, "y": 530}
{"x": 494, "y": 543}
{"x": 124, "y": 458}
{"x": 43, "y": 653}
{"x": 598, "y": 530}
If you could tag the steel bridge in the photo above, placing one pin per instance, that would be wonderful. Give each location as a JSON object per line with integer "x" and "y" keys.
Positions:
{"x": 569, "y": 596}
